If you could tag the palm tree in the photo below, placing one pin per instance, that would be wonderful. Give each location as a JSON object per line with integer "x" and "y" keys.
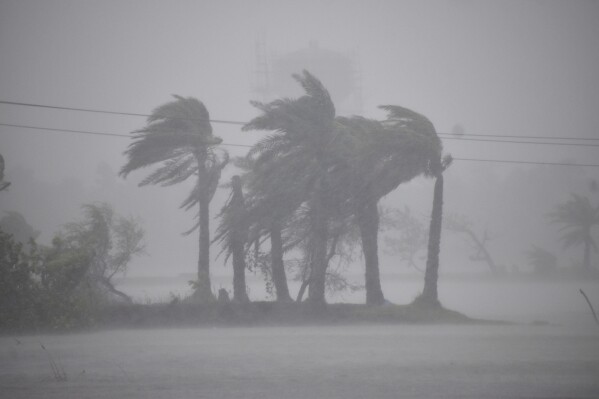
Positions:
{"x": 430, "y": 294}
{"x": 232, "y": 234}
{"x": 270, "y": 203}
{"x": 299, "y": 151}
{"x": 412, "y": 121}
{"x": 577, "y": 217}
{"x": 382, "y": 156}
{"x": 268, "y": 220}
{"x": 178, "y": 139}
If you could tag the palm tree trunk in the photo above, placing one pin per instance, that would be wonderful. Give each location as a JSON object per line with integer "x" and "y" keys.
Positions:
{"x": 368, "y": 221}
{"x": 429, "y": 293}
{"x": 279, "y": 276}
{"x": 204, "y": 289}
{"x": 238, "y": 238}
{"x": 239, "y": 285}
{"x": 319, "y": 263}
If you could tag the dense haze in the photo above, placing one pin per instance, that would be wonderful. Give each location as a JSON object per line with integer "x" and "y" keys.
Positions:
{"x": 494, "y": 68}
{"x": 522, "y": 75}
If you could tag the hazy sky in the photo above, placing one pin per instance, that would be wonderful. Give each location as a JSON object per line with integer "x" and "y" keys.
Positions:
{"x": 495, "y": 67}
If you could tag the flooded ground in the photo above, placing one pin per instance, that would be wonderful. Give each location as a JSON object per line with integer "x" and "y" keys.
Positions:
{"x": 308, "y": 362}
{"x": 552, "y": 352}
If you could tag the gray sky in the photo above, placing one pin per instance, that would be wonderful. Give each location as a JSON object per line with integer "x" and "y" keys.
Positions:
{"x": 509, "y": 67}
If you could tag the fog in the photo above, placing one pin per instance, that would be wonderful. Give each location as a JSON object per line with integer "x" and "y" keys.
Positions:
{"x": 508, "y": 70}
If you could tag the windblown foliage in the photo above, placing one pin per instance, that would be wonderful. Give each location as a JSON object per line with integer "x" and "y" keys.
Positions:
{"x": 178, "y": 140}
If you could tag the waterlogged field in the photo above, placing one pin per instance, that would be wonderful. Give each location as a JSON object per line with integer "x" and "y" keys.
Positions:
{"x": 400, "y": 361}
{"x": 552, "y": 353}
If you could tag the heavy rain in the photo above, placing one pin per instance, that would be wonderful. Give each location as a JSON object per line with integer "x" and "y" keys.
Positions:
{"x": 299, "y": 199}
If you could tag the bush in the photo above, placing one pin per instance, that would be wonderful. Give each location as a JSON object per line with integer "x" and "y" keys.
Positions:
{"x": 44, "y": 289}
{"x": 19, "y": 288}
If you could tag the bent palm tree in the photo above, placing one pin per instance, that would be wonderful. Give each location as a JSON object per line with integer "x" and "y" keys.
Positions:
{"x": 272, "y": 201}
{"x": 430, "y": 295}
{"x": 232, "y": 234}
{"x": 178, "y": 138}
{"x": 383, "y": 156}
{"x": 412, "y": 121}
{"x": 577, "y": 217}
{"x": 299, "y": 151}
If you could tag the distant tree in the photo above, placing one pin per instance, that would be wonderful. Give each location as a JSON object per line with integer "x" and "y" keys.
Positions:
{"x": 3, "y": 184}
{"x": 178, "y": 139}
{"x": 459, "y": 224}
{"x": 406, "y": 235}
{"x": 98, "y": 247}
{"x": 542, "y": 261}
{"x": 578, "y": 216}
{"x": 232, "y": 235}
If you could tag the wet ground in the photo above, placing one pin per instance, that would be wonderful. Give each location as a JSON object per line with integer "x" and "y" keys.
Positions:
{"x": 428, "y": 361}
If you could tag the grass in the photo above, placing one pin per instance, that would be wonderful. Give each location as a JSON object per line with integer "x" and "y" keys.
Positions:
{"x": 264, "y": 313}
{"x": 57, "y": 370}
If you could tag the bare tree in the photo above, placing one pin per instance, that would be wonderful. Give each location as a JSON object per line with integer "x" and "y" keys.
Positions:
{"x": 461, "y": 225}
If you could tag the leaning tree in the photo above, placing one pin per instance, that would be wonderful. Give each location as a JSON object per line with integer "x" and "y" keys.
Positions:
{"x": 430, "y": 295}
{"x": 380, "y": 156}
{"x": 409, "y": 120}
{"x": 300, "y": 151}
{"x": 269, "y": 203}
{"x": 232, "y": 235}
{"x": 178, "y": 141}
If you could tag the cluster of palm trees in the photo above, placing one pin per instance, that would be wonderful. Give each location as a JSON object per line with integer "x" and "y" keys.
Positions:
{"x": 313, "y": 182}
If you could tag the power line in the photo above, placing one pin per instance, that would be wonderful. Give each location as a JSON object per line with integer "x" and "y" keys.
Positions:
{"x": 231, "y": 122}
{"x": 64, "y": 130}
{"x": 459, "y": 137}
{"x": 526, "y": 162}
{"x": 443, "y": 138}
{"x": 521, "y": 142}
{"x": 92, "y": 132}
{"x": 250, "y": 146}
{"x": 111, "y": 112}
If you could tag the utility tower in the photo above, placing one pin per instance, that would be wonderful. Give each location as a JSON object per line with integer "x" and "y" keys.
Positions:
{"x": 261, "y": 79}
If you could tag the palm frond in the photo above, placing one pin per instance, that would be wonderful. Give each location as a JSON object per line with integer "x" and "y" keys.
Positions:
{"x": 174, "y": 171}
